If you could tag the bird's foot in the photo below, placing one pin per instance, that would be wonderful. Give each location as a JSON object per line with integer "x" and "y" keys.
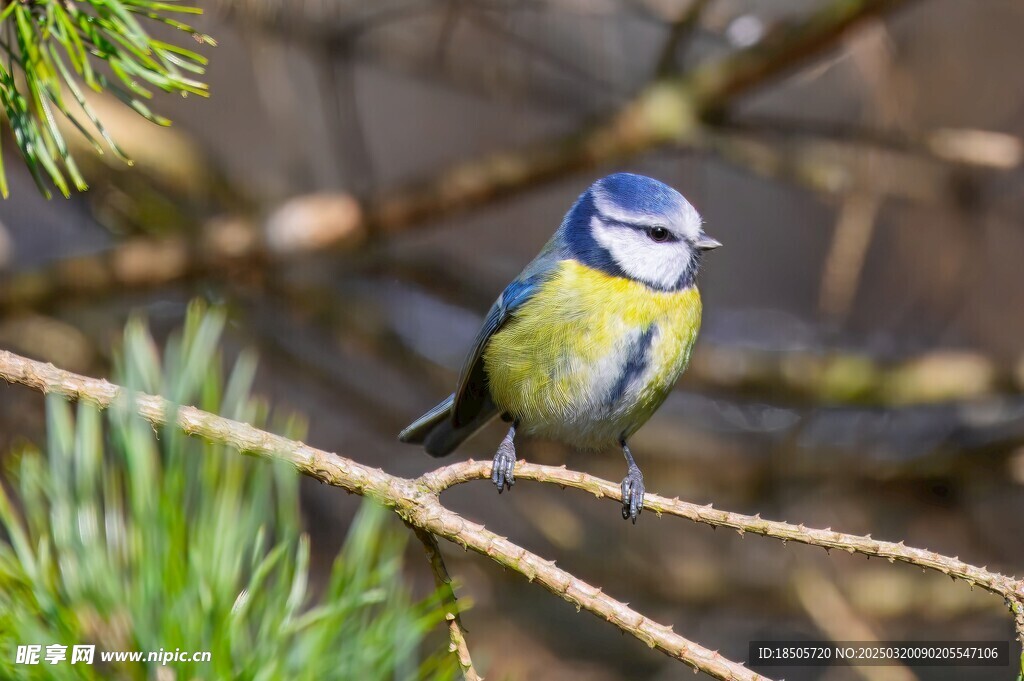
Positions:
{"x": 632, "y": 494}
{"x": 503, "y": 468}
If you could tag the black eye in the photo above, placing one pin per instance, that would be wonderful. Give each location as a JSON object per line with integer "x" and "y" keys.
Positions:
{"x": 659, "y": 234}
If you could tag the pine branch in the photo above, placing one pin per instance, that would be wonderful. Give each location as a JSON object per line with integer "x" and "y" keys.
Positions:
{"x": 57, "y": 50}
{"x": 417, "y": 503}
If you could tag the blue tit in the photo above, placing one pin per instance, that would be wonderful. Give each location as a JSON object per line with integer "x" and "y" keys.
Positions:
{"x": 586, "y": 343}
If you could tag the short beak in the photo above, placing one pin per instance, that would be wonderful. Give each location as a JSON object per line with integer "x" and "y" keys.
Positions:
{"x": 706, "y": 243}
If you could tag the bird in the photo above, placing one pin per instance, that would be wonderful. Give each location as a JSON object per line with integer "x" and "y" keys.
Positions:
{"x": 587, "y": 342}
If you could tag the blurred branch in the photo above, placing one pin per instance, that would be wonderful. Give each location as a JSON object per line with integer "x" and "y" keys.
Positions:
{"x": 667, "y": 111}
{"x": 278, "y": 94}
{"x": 855, "y": 226}
{"x": 938, "y": 402}
{"x": 838, "y": 377}
{"x": 137, "y": 263}
{"x": 413, "y": 500}
{"x": 872, "y": 54}
{"x": 173, "y": 179}
{"x": 679, "y": 35}
{"x": 456, "y": 631}
{"x": 833, "y": 614}
{"x": 943, "y": 167}
{"x": 536, "y": 50}
{"x": 962, "y": 146}
{"x": 320, "y": 21}
{"x": 335, "y": 71}
{"x": 810, "y": 374}
{"x": 830, "y": 166}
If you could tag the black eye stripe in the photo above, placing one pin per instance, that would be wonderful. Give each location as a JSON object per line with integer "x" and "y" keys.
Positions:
{"x": 646, "y": 229}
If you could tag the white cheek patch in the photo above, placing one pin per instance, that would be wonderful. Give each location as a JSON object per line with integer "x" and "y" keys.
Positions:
{"x": 658, "y": 264}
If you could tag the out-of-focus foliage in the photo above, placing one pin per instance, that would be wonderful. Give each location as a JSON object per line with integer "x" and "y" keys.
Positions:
{"x": 131, "y": 539}
{"x": 51, "y": 48}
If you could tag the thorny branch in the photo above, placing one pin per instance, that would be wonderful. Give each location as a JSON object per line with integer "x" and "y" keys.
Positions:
{"x": 456, "y": 631}
{"x": 417, "y": 502}
{"x": 1002, "y": 585}
{"x": 412, "y": 500}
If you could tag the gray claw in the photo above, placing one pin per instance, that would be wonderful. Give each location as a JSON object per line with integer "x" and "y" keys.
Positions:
{"x": 503, "y": 468}
{"x": 632, "y": 494}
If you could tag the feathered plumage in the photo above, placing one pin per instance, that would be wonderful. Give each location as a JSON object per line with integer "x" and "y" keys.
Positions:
{"x": 589, "y": 339}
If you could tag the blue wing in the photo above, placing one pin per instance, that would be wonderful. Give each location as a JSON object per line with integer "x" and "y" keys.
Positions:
{"x": 470, "y": 407}
{"x": 471, "y": 393}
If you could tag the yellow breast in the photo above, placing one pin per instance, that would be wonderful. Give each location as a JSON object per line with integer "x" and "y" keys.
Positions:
{"x": 591, "y": 356}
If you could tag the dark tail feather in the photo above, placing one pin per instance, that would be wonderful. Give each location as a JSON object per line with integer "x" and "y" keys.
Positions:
{"x": 416, "y": 432}
{"x": 434, "y": 430}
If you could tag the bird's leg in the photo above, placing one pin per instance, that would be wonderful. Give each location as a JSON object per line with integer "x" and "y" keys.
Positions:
{"x": 502, "y": 470}
{"x": 632, "y": 487}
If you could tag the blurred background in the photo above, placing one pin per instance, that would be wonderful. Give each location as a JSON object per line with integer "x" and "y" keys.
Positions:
{"x": 366, "y": 178}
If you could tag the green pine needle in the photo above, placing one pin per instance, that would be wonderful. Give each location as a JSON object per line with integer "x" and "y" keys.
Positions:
{"x": 128, "y": 537}
{"x": 40, "y": 38}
